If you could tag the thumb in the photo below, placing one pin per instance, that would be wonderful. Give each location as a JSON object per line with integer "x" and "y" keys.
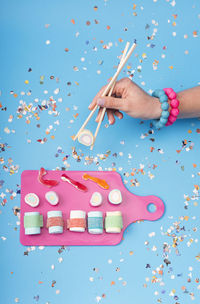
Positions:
{"x": 112, "y": 103}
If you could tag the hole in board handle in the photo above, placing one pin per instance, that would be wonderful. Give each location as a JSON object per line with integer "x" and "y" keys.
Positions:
{"x": 151, "y": 207}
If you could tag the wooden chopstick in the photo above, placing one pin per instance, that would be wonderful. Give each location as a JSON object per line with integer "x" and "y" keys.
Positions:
{"x": 109, "y": 94}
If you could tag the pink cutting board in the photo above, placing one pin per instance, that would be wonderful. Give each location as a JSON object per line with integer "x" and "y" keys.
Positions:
{"x": 133, "y": 207}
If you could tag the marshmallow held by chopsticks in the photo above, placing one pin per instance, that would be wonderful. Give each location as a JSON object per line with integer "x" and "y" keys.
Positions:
{"x": 86, "y": 137}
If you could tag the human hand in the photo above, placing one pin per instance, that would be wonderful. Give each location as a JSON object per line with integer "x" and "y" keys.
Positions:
{"x": 129, "y": 98}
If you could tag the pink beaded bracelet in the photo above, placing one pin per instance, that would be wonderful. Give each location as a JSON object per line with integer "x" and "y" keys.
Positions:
{"x": 174, "y": 103}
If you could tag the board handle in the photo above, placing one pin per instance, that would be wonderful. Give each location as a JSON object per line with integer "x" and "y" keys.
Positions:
{"x": 153, "y": 208}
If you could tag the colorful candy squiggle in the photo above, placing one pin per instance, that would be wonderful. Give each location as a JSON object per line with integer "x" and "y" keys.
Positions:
{"x": 46, "y": 182}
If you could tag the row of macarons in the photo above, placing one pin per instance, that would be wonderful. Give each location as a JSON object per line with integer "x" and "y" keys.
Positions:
{"x": 78, "y": 222}
{"x": 114, "y": 197}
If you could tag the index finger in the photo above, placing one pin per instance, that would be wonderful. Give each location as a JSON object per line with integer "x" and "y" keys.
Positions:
{"x": 94, "y": 101}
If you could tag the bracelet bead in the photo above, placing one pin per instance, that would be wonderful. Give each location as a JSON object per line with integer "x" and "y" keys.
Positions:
{"x": 165, "y": 114}
{"x": 174, "y": 103}
{"x": 157, "y": 93}
{"x": 164, "y": 106}
{"x": 172, "y": 118}
{"x": 168, "y": 124}
{"x": 175, "y": 111}
{"x": 163, "y": 98}
{"x": 163, "y": 120}
{"x": 170, "y": 93}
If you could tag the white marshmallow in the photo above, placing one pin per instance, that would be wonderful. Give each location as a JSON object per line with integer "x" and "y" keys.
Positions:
{"x": 113, "y": 229}
{"x": 77, "y": 214}
{"x": 115, "y": 197}
{"x": 86, "y": 137}
{"x": 52, "y": 198}
{"x": 32, "y": 199}
{"x": 55, "y": 229}
{"x": 96, "y": 199}
{"x": 95, "y": 222}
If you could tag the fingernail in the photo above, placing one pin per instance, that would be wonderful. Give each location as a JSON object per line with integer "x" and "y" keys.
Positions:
{"x": 89, "y": 107}
{"x": 110, "y": 122}
{"x": 100, "y": 102}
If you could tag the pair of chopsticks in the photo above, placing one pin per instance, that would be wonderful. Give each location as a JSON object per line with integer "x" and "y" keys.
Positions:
{"x": 108, "y": 92}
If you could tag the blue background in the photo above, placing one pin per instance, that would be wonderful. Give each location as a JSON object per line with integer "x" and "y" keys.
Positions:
{"x": 131, "y": 271}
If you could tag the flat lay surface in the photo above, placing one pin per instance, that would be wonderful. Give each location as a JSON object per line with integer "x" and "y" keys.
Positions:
{"x": 55, "y": 56}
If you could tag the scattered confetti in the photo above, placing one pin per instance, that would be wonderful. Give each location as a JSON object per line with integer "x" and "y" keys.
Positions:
{"x": 42, "y": 106}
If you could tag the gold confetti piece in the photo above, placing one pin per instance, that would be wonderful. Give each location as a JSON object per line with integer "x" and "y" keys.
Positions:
{"x": 72, "y": 21}
{"x": 26, "y": 82}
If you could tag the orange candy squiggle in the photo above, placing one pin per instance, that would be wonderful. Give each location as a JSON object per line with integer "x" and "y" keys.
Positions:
{"x": 100, "y": 182}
